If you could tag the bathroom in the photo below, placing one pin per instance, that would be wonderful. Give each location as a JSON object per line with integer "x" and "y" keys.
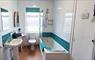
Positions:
{"x": 49, "y": 29}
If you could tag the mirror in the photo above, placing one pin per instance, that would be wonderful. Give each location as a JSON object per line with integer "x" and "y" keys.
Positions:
{"x": 16, "y": 19}
{"x": 5, "y": 19}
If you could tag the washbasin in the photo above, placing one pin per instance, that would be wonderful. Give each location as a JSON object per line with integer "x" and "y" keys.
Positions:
{"x": 14, "y": 42}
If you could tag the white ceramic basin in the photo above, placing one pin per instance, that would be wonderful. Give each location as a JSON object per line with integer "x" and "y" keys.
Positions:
{"x": 14, "y": 42}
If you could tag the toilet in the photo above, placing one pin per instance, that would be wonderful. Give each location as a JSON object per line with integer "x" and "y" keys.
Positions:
{"x": 32, "y": 39}
{"x": 32, "y": 42}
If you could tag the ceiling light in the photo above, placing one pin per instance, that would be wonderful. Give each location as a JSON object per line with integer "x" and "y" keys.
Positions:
{"x": 34, "y": 6}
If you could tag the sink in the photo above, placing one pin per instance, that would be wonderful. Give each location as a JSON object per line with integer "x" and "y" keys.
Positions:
{"x": 11, "y": 48}
{"x": 14, "y": 42}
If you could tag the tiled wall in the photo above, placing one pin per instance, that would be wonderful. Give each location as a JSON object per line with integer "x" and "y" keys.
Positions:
{"x": 6, "y": 37}
{"x": 46, "y": 34}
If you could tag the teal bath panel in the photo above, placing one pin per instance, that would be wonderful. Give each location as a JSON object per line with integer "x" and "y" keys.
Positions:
{"x": 61, "y": 41}
{"x": 42, "y": 44}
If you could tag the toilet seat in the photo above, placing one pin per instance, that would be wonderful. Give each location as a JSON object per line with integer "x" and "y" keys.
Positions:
{"x": 32, "y": 42}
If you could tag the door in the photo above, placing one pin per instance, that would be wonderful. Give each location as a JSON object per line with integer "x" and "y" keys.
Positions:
{"x": 84, "y": 31}
{"x": 93, "y": 53}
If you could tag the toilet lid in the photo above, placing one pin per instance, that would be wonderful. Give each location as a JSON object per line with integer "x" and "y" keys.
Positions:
{"x": 32, "y": 41}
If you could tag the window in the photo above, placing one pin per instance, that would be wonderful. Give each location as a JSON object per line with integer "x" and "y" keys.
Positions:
{"x": 33, "y": 21}
{"x": 5, "y": 21}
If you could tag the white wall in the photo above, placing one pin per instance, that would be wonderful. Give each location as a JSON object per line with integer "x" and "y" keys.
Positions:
{"x": 61, "y": 27}
{"x": 43, "y": 4}
{"x": 84, "y": 31}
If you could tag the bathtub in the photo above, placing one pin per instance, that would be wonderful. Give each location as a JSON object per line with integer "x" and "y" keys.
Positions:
{"x": 53, "y": 50}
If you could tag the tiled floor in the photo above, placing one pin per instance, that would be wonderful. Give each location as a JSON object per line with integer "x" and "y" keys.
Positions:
{"x": 29, "y": 54}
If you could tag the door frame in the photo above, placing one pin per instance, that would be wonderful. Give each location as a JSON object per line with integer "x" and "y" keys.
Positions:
{"x": 72, "y": 37}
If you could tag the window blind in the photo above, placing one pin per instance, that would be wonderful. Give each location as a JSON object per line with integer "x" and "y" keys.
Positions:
{"x": 4, "y": 10}
{"x": 32, "y": 10}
